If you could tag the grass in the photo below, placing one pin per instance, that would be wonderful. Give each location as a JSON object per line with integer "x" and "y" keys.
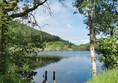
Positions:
{"x": 110, "y": 76}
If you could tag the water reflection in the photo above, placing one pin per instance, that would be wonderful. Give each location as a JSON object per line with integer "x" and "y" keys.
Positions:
{"x": 75, "y": 68}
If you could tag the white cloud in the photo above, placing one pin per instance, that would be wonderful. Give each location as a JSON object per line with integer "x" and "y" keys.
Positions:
{"x": 63, "y": 23}
{"x": 69, "y": 26}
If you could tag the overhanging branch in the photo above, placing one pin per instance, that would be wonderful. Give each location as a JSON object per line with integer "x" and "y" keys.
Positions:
{"x": 21, "y": 14}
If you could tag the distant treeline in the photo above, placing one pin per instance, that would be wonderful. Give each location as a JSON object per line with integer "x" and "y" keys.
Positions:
{"x": 81, "y": 47}
{"x": 21, "y": 32}
{"x": 24, "y": 35}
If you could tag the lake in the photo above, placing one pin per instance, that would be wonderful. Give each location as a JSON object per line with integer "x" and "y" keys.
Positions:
{"x": 75, "y": 67}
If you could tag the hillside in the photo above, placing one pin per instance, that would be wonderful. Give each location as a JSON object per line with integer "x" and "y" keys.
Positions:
{"x": 30, "y": 32}
{"x": 24, "y": 35}
{"x": 81, "y": 47}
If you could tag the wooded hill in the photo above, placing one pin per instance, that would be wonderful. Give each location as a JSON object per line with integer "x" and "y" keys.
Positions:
{"x": 24, "y": 35}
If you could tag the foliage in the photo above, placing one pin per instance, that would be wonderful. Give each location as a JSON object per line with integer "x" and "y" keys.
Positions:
{"x": 106, "y": 14}
{"x": 21, "y": 44}
{"x": 110, "y": 76}
{"x": 81, "y": 47}
{"x": 4, "y": 55}
{"x": 108, "y": 49}
{"x": 106, "y": 17}
{"x": 30, "y": 34}
{"x": 102, "y": 17}
{"x": 58, "y": 45}
{"x": 11, "y": 78}
{"x": 21, "y": 66}
{"x": 64, "y": 45}
{"x": 34, "y": 40}
{"x": 22, "y": 41}
{"x": 88, "y": 9}
{"x": 25, "y": 62}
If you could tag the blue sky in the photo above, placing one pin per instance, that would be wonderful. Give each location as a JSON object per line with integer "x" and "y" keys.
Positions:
{"x": 62, "y": 22}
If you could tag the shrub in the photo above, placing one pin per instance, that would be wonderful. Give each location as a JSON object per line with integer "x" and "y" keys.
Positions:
{"x": 108, "y": 50}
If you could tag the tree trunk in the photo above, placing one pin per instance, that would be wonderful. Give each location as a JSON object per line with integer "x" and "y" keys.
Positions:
{"x": 92, "y": 50}
{"x": 91, "y": 20}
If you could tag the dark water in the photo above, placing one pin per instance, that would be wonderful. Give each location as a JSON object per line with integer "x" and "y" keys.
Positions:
{"x": 75, "y": 67}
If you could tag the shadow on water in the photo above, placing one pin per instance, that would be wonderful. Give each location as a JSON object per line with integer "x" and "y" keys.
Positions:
{"x": 74, "y": 68}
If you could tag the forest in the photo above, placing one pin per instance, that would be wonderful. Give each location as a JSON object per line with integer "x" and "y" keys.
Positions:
{"x": 23, "y": 35}
{"x": 40, "y": 40}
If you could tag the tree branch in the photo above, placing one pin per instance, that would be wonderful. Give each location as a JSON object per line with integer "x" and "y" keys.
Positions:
{"x": 21, "y": 14}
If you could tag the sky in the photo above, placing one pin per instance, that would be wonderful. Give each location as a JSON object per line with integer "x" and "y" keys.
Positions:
{"x": 62, "y": 22}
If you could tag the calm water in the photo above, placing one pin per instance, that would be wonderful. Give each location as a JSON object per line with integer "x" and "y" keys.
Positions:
{"x": 75, "y": 67}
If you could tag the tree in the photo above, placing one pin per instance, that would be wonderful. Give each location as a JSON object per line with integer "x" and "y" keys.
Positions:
{"x": 10, "y": 10}
{"x": 88, "y": 9}
{"x": 107, "y": 18}
{"x": 109, "y": 54}
{"x": 101, "y": 16}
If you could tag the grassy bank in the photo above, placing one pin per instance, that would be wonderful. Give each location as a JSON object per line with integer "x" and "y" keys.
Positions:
{"x": 110, "y": 76}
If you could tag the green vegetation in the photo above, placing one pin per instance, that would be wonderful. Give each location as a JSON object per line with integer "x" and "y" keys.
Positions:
{"x": 39, "y": 40}
{"x": 20, "y": 67}
{"x": 18, "y": 42}
{"x": 31, "y": 38}
{"x": 101, "y": 18}
{"x": 110, "y": 76}
{"x": 88, "y": 9}
{"x": 108, "y": 49}
{"x": 58, "y": 45}
{"x": 81, "y": 47}
{"x": 11, "y": 79}
{"x": 23, "y": 41}
{"x": 64, "y": 45}
{"x": 25, "y": 35}
{"x": 22, "y": 45}
{"x": 31, "y": 62}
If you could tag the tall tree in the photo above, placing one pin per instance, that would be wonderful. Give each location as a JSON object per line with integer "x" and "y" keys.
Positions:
{"x": 88, "y": 9}
{"x": 106, "y": 17}
{"x": 101, "y": 16}
{"x": 106, "y": 24}
{"x": 10, "y": 10}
